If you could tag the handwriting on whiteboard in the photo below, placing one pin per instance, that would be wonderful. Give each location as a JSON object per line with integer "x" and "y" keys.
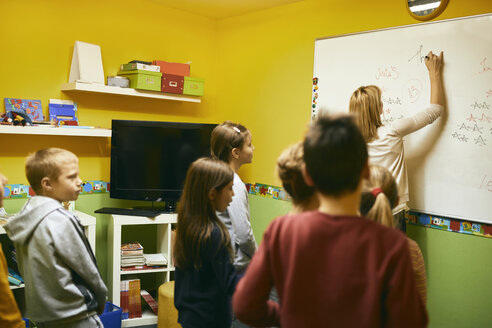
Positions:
{"x": 413, "y": 90}
{"x": 419, "y": 56}
{"x": 476, "y": 128}
{"x": 484, "y": 66}
{"x": 486, "y": 183}
{"x": 387, "y": 73}
{"x": 480, "y": 105}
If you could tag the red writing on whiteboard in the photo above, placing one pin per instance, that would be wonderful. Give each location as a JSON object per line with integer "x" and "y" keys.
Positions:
{"x": 489, "y": 93}
{"x": 486, "y": 183}
{"x": 412, "y": 90}
{"x": 485, "y": 66}
{"x": 389, "y": 73}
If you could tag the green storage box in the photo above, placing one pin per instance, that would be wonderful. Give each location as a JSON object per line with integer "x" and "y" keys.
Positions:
{"x": 193, "y": 86}
{"x": 144, "y": 80}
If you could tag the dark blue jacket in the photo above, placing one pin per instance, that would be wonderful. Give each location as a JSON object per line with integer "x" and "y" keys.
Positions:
{"x": 203, "y": 297}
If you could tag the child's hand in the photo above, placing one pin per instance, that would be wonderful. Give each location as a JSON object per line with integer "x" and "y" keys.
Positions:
{"x": 433, "y": 62}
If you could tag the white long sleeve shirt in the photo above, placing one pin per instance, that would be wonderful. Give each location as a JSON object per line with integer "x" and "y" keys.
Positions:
{"x": 236, "y": 219}
{"x": 387, "y": 150}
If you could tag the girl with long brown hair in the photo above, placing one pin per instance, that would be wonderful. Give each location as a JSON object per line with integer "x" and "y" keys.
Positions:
{"x": 205, "y": 278}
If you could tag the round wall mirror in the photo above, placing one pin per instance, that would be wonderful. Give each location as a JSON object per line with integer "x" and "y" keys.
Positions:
{"x": 425, "y": 9}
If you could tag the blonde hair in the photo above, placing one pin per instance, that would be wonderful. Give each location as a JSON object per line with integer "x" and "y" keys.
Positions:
{"x": 46, "y": 163}
{"x": 289, "y": 169}
{"x": 378, "y": 206}
{"x": 225, "y": 137}
{"x": 365, "y": 103}
{"x": 196, "y": 213}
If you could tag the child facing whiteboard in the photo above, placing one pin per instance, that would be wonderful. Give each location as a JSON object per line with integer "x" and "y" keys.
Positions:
{"x": 385, "y": 142}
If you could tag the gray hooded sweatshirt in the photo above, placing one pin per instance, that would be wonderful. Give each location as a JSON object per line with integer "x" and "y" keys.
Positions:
{"x": 56, "y": 261}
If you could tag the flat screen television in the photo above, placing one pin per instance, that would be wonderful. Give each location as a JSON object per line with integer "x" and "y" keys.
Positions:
{"x": 149, "y": 160}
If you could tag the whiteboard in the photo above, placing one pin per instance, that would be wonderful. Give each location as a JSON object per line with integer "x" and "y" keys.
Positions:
{"x": 449, "y": 162}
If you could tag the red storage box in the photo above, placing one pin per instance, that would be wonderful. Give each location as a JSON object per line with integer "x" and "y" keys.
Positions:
{"x": 172, "y": 83}
{"x": 173, "y": 68}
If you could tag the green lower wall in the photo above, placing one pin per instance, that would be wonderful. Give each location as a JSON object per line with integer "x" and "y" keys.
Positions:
{"x": 458, "y": 265}
{"x": 459, "y": 269}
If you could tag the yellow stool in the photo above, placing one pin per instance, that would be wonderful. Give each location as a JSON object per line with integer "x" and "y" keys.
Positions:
{"x": 167, "y": 316}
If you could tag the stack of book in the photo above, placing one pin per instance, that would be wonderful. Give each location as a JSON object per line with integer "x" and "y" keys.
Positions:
{"x": 132, "y": 255}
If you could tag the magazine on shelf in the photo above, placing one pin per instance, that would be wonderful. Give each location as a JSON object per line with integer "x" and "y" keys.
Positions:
{"x": 149, "y": 300}
{"x": 124, "y": 299}
{"x": 133, "y": 248}
{"x": 134, "y": 303}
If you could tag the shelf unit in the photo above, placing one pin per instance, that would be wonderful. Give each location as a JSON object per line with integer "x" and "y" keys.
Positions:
{"x": 163, "y": 234}
{"x": 55, "y": 131}
{"x": 105, "y": 89}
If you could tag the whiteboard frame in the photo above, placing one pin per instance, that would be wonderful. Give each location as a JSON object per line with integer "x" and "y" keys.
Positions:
{"x": 401, "y": 26}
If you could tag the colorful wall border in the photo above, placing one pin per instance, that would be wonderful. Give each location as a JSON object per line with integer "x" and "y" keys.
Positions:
{"x": 448, "y": 224}
{"x": 430, "y": 221}
{"x": 13, "y": 191}
{"x": 269, "y": 191}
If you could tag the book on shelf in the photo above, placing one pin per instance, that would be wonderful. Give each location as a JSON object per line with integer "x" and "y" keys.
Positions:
{"x": 14, "y": 274}
{"x": 133, "y": 248}
{"x": 124, "y": 298}
{"x": 126, "y": 262}
{"x": 149, "y": 300}
{"x": 14, "y": 278}
{"x": 155, "y": 259}
{"x": 134, "y": 303}
{"x": 14, "y": 281}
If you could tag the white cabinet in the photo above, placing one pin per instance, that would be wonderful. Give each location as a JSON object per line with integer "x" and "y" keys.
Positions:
{"x": 163, "y": 224}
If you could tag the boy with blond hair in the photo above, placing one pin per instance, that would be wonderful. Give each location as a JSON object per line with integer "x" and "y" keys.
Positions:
{"x": 63, "y": 284}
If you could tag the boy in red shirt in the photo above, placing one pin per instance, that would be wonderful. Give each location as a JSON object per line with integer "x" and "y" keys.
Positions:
{"x": 331, "y": 267}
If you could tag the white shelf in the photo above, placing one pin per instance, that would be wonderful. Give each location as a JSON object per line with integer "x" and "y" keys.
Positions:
{"x": 148, "y": 318}
{"x": 163, "y": 233}
{"x": 55, "y": 131}
{"x": 100, "y": 88}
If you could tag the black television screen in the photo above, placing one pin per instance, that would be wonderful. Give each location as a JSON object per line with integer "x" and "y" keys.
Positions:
{"x": 149, "y": 160}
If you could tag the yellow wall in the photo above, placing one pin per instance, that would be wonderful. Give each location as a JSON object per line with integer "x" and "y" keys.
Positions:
{"x": 37, "y": 39}
{"x": 266, "y": 65}
{"x": 258, "y": 67}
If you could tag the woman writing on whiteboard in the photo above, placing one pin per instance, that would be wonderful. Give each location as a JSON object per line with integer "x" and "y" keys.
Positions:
{"x": 385, "y": 142}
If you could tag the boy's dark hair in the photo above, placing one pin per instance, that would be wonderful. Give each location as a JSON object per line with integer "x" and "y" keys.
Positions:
{"x": 335, "y": 154}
